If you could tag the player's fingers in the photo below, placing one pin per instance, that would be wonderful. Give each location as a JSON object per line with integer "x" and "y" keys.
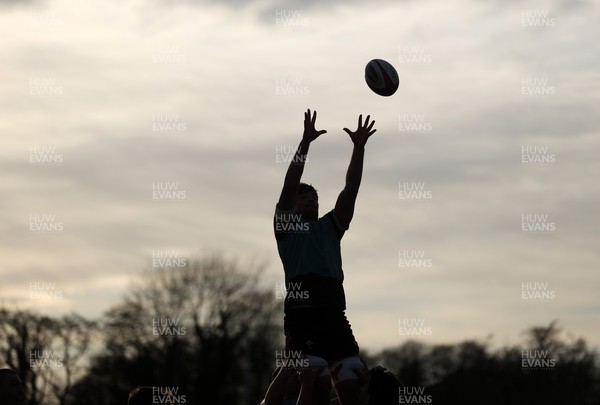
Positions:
{"x": 360, "y": 121}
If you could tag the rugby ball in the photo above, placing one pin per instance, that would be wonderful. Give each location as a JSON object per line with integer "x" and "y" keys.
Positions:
{"x": 381, "y": 77}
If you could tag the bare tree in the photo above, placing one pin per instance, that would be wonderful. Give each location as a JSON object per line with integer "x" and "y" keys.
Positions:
{"x": 206, "y": 327}
{"x": 71, "y": 345}
{"x": 47, "y": 353}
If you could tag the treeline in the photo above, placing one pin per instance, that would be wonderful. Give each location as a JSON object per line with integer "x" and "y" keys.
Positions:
{"x": 207, "y": 332}
{"x": 546, "y": 369}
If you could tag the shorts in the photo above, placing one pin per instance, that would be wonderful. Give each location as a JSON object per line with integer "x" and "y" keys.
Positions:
{"x": 322, "y": 332}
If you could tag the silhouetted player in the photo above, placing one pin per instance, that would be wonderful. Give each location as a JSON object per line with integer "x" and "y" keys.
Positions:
{"x": 309, "y": 247}
{"x": 11, "y": 387}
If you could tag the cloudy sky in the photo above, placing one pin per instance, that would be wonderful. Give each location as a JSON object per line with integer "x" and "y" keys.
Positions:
{"x": 139, "y": 128}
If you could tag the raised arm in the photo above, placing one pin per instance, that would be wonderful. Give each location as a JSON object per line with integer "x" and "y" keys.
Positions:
{"x": 289, "y": 192}
{"x": 344, "y": 207}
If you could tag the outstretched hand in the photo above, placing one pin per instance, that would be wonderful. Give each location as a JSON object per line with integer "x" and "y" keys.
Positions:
{"x": 362, "y": 133}
{"x": 310, "y": 133}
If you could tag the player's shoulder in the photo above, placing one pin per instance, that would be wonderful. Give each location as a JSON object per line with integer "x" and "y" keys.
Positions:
{"x": 288, "y": 221}
{"x": 279, "y": 210}
{"x": 332, "y": 221}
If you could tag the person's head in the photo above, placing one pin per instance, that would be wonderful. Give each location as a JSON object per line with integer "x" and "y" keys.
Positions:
{"x": 308, "y": 202}
{"x": 382, "y": 387}
{"x": 11, "y": 387}
{"x": 140, "y": 396}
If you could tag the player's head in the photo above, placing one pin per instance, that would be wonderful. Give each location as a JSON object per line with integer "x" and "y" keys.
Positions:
{"x": 11, "y": 387}
{"x": 140, "y": 396}
{"x": 308, "y": 202}
{"x": 381, "y": 388}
